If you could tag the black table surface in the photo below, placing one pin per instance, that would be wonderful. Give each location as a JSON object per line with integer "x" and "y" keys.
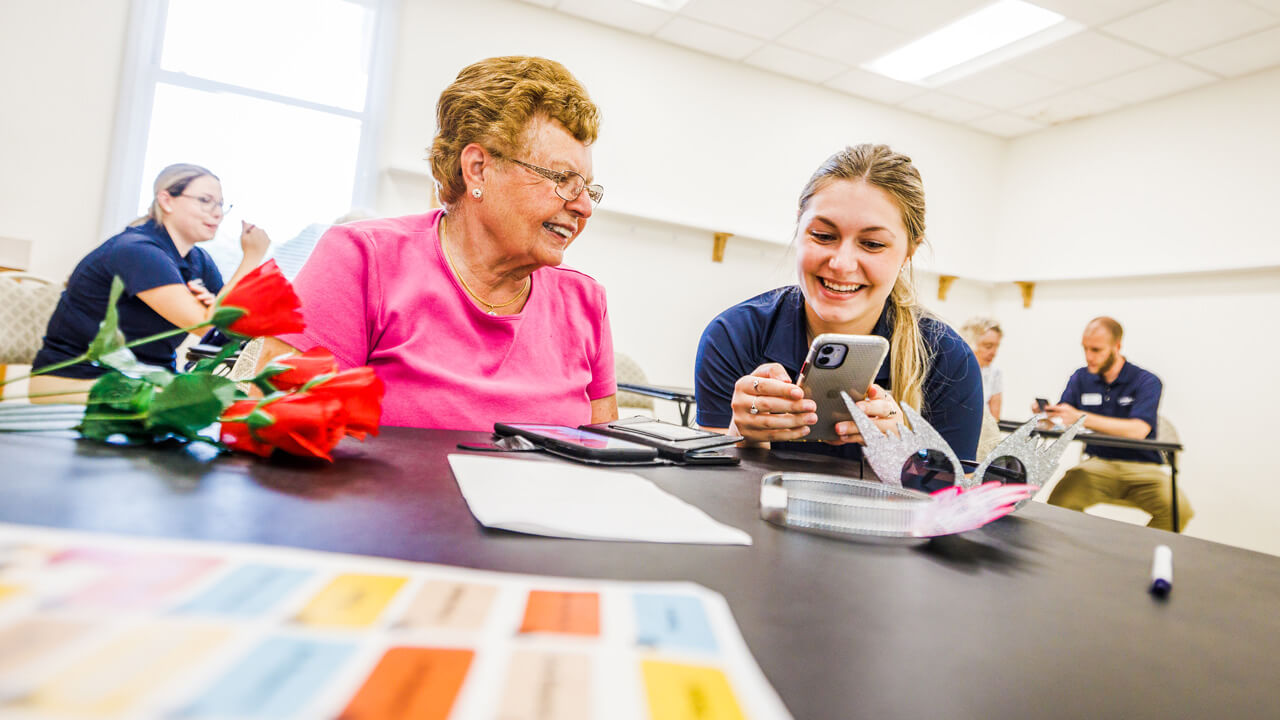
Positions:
{"x": 1041, "y": 614}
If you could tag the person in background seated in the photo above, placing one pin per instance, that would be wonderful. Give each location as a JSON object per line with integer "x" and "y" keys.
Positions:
{"x": 169, "y": 282}
{"x": 464, "y": 312}
{"x": 860, "y": 221}
{"x": 1118, "y": 398}
{"x": 984, "y": 335}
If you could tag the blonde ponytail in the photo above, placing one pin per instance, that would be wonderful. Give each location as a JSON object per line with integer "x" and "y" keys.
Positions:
{"x": 910, "y": 356}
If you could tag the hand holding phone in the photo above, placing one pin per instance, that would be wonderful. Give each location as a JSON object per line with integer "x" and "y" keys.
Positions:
{"x": 839, "y": 363}
{"x": 768, "y": 407}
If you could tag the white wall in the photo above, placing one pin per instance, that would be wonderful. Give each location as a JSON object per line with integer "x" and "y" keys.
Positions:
{"x": 1187, "y": 183}
{"x": 690, "y": 138}
{"x": 60, "y": 77}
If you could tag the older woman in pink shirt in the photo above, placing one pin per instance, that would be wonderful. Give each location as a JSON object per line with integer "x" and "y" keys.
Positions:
{"x": 465, "y": 313}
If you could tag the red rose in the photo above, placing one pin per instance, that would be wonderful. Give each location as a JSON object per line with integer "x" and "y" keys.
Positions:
{"x": 262, "y": 303}
{"x": 301, "y": 369}
{"x": 359, "y": 392}
{"x": 299, "y": 424}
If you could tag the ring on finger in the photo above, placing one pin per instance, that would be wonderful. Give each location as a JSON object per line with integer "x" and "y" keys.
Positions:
{"x": 755, "y": 385}
{"x": 754, "y": 410}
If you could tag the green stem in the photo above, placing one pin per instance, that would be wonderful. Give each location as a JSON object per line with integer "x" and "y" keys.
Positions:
{"x": 47, "y": 394}
{"x": 165, "y": 334}
{"x": 47, "y": 369}
{"x": 85, "y": 356}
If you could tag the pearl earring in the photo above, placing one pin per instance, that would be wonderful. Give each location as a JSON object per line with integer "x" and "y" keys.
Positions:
{"x": 476, "y": 193}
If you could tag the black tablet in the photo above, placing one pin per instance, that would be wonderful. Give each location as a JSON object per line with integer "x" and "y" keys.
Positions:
{"x": 579, "y": 443}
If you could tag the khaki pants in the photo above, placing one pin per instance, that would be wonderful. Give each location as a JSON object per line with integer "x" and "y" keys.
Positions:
{"x": 1144, "y": 485}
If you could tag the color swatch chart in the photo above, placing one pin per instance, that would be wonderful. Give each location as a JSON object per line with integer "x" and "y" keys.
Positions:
{"x": 101, "y": 626}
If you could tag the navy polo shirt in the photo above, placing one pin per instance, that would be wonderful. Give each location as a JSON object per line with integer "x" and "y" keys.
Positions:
{"x": 771, "y": 328}
{"x": 145, "y": 258}
{"x": 1134, "y": 394}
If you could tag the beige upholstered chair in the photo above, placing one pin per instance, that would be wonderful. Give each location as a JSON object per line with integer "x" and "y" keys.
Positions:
{"x": 627, "y": 371}
{"x": 989, "y": 436}
{"x": 26, "y": 304}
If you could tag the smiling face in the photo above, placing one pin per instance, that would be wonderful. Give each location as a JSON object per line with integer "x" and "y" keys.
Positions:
{"x": 194, "y": 215}
{"x": 522, "y": 207}
{"x": 850, "y": 245}
{"x": 987, "y": 346}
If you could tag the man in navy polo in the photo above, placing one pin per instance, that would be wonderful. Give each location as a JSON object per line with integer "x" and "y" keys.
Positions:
{"x": 1117, "y": 398}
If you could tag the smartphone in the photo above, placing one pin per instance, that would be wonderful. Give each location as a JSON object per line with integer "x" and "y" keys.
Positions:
{"x": 838, "y": 363}
{"x": 577, "y": 443}
{"x": 1042, "y": 404}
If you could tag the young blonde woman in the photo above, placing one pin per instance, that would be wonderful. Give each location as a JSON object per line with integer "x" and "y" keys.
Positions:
{"x": 169, "y": 282}
{"x": 860, "y": 221}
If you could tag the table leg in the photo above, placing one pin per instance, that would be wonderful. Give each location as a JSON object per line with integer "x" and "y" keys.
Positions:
{"x": 1172, "y": 457}
{"x": 684, "y": 412}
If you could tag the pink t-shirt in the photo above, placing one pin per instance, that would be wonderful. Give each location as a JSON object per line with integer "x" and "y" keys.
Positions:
{"x": 379, "y": 293}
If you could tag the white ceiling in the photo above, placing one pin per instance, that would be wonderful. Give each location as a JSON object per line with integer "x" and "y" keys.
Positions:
{"x": 1130, "y": 51}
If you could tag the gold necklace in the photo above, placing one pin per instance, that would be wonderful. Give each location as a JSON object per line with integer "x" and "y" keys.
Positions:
{"x": 444, "y": 243}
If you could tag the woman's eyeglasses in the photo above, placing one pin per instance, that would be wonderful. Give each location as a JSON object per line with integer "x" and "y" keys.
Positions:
{"x": 209, "y": 204}
{"x": 569, "y": 184}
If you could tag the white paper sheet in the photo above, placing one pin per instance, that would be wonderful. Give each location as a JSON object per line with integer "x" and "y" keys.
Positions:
{"x": 572, "y": 501}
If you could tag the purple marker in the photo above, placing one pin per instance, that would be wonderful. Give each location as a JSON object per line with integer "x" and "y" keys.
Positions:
{"x": 1162, "y": 571}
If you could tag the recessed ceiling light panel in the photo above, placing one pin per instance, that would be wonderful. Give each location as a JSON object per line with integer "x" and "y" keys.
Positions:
{"x": 990, "y": 34}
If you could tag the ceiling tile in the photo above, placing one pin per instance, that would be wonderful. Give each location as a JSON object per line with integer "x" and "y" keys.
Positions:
{"x": 1005, "y": 125}
{"x": 708, "y": 38}
{"x": 1084, "y": 58}
{"x": 837, "y": 35}
{"x": 1002, "y": 87}
{"x": 1067, "y": 106}
{"x": 1239, "y": 57}
{"x": 798, "y": 65}
{"x": 874, "y": 87}
{"x": 1164, "y": 78}
{"x": 760, "y": 18}
{"x": 917, "y": 18}
{"x": 1181, "y": 26}
{"x": 623, "y": 14}
{"x": 945, "y": 107}
{"x": 1095, "y": 12}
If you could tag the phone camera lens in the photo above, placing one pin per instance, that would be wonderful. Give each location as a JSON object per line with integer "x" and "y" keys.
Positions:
{"x": 826, "y": 350}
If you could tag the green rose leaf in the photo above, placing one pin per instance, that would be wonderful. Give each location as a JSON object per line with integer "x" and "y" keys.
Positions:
{"x": 123, "y": 361}
{"x": 227, "y": 314}
{"x": 206, "y": 366}
{"x": 117, "y": 406}
{"x": 109, "y": 337}
{"x": 190, "y": 403}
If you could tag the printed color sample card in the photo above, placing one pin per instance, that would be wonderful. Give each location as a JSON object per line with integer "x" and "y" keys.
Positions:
{"x": 95, "y": 626}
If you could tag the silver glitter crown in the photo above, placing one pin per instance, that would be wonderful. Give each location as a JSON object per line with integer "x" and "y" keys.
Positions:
{"x": 887, "y": 455}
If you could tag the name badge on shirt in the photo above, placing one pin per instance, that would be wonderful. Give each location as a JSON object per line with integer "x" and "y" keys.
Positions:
{"x": 1126, "y": 400}
{"x": 1091, "y": 399}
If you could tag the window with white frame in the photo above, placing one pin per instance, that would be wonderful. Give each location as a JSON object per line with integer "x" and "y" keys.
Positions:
{"x": 279, "y": 98}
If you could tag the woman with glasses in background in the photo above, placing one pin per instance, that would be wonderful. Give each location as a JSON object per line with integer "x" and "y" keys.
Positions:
{"x": 169, "y": 282}
{"x": 465, "y": 312}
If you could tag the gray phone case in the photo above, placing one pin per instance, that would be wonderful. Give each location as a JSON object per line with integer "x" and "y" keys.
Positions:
{"x": 865, "y": 354}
